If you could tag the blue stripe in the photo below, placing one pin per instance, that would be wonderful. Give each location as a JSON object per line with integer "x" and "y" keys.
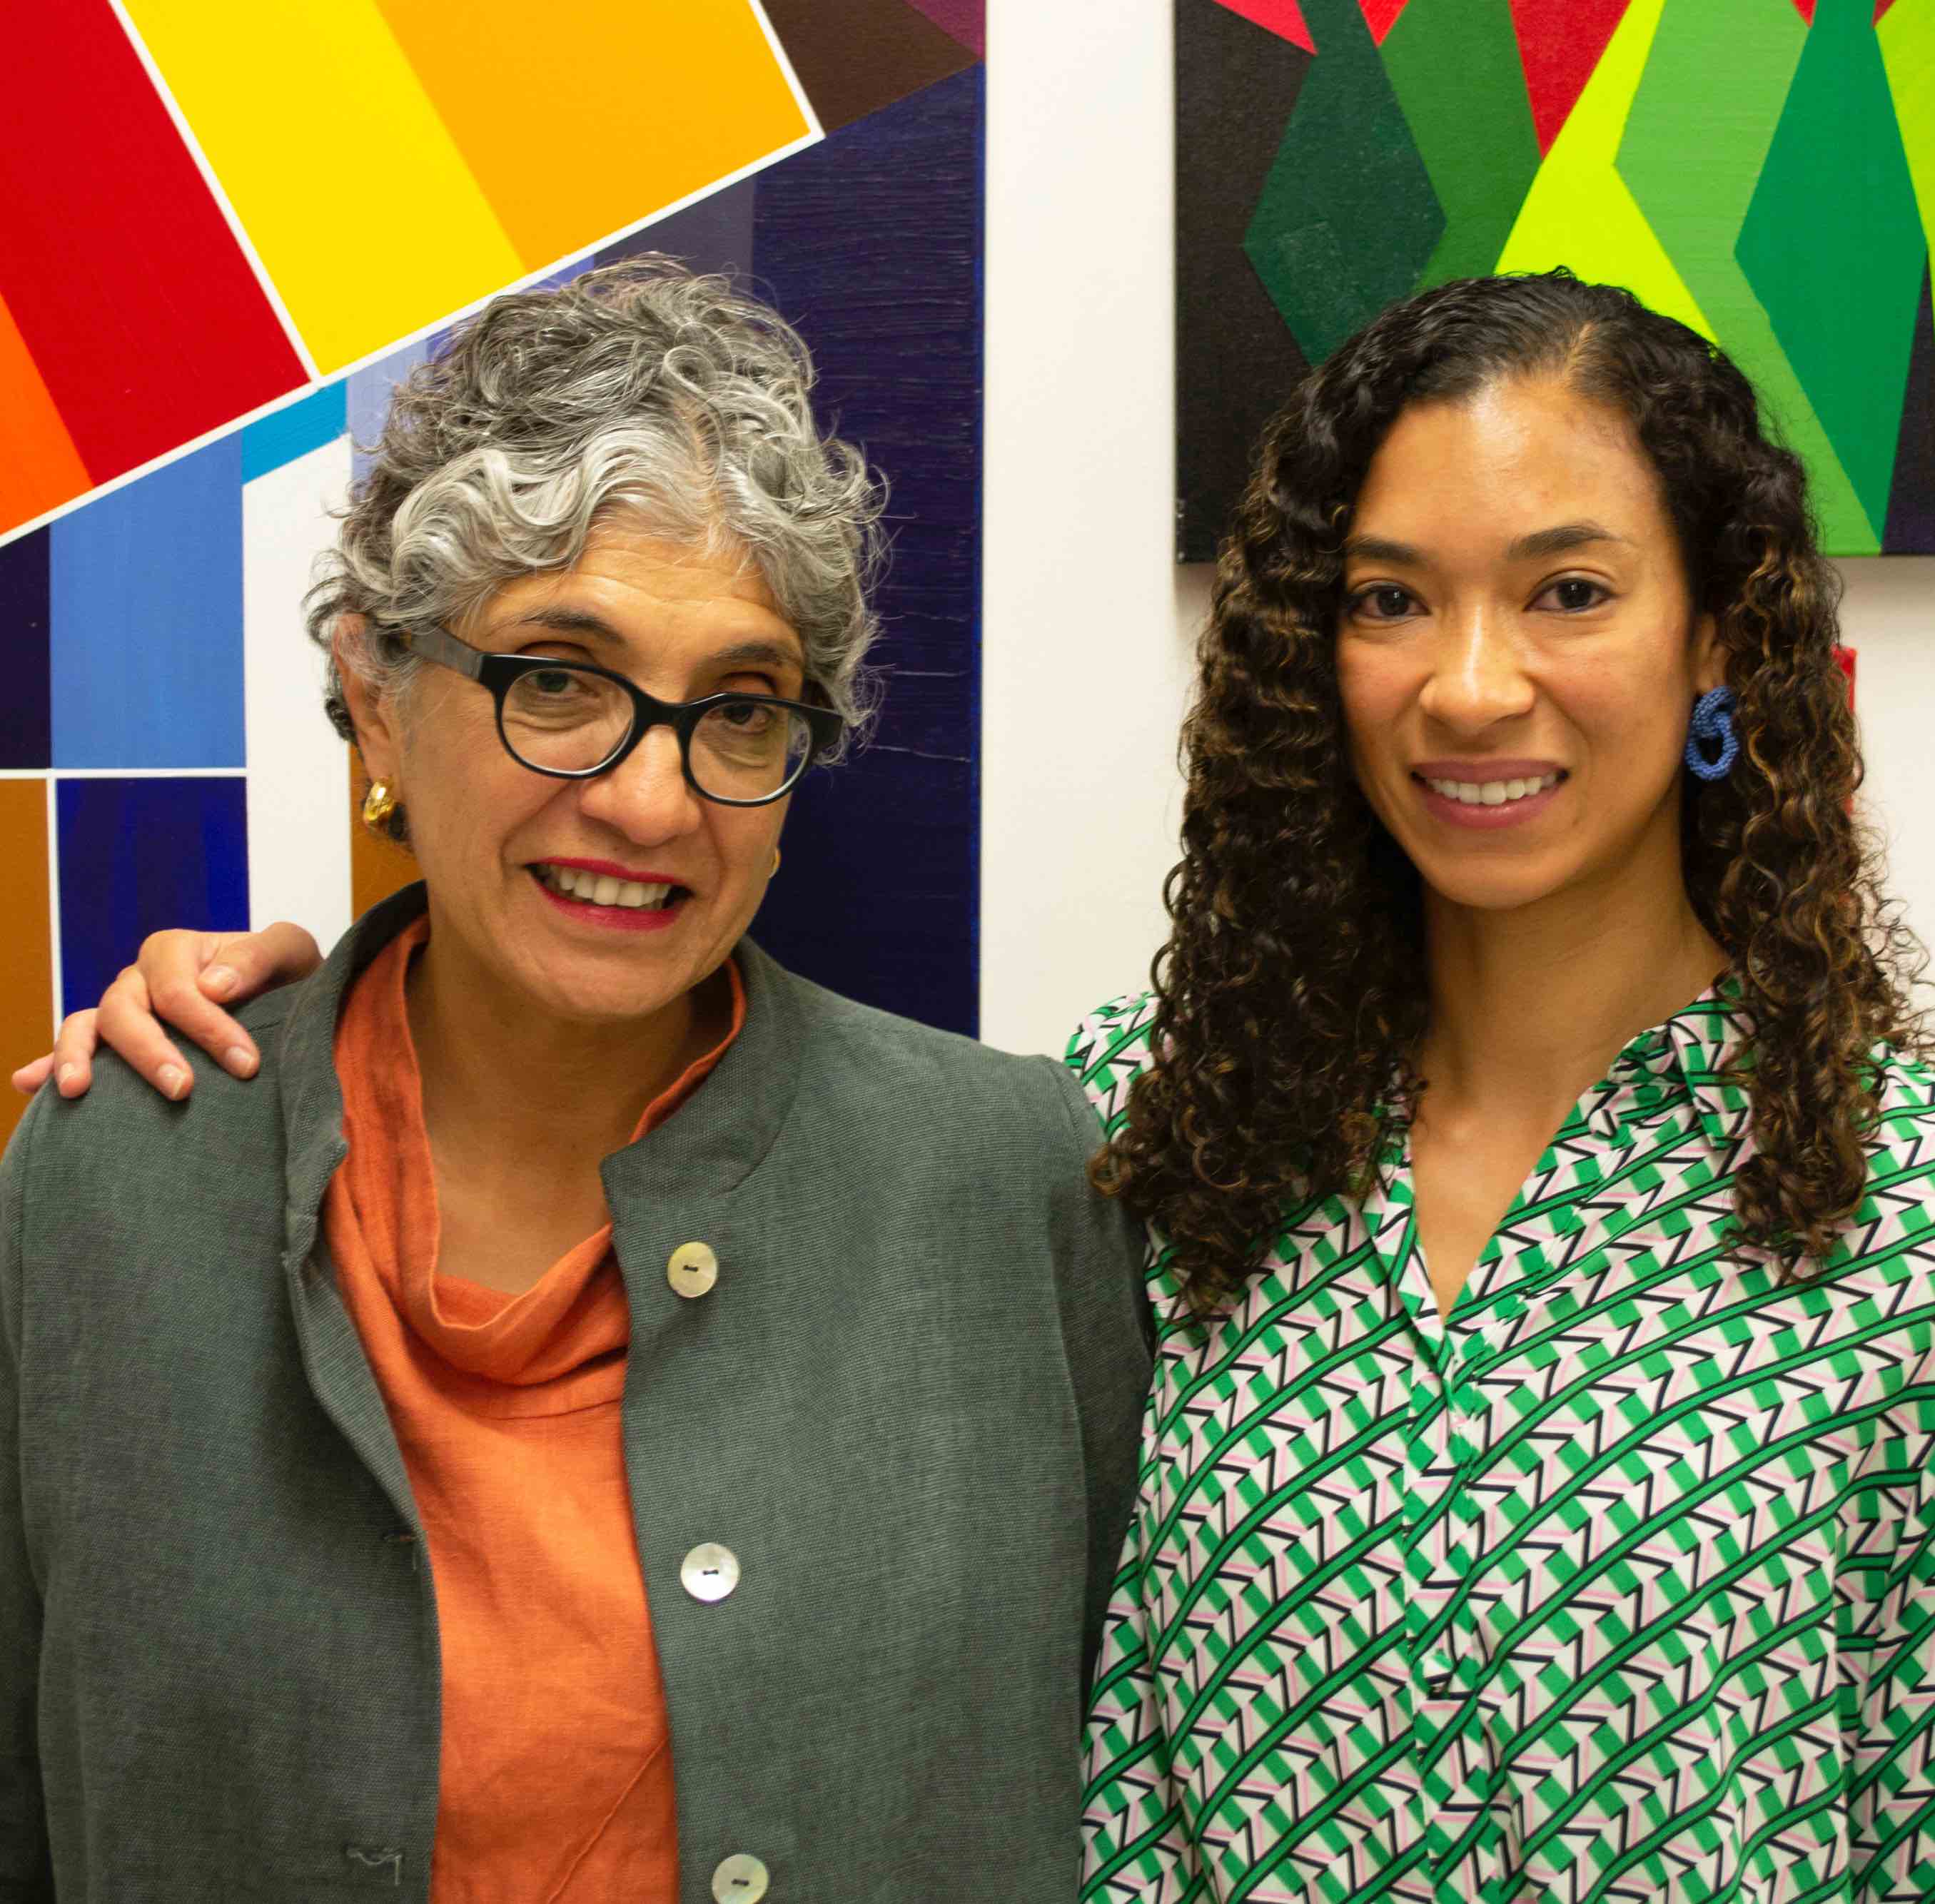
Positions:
{"x": 26, "y": 735}
{"x": 137, "y": 855}
{"x": 146, "y": 589}
{"x": 319, "y": 418}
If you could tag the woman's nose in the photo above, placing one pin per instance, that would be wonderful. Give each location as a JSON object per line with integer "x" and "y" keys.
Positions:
{"x": 646, "y": 797}
{"x": 1478, "y": 677}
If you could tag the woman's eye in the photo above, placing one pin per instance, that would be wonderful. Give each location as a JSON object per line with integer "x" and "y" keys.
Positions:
{"x": 1385, "y": 604}
{"x": 1575, "y": 594}
{"x": 551, "y": 682}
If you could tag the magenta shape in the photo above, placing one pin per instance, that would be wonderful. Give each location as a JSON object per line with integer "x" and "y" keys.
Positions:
{"x": 965, "y": 20}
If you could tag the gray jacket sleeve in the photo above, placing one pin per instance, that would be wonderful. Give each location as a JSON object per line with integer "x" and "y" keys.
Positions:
{"x": 26, "y": 1873}
{"x": 1108, "y": 1330}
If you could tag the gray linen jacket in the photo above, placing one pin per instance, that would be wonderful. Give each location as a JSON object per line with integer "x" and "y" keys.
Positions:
{"x": 909, "y": 1406}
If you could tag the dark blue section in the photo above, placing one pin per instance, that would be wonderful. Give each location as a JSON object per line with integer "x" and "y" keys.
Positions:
{"x": 318, "y": 418}
{"x": 716, "y": 234}
{"x": 146, "y": 599}
{"x": 870, "y": 242}
{"x": 138, "y": 854}
{"x": 26, "y": 706}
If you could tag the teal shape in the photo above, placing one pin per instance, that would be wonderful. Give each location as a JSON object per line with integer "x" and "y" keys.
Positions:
{"x": 295, "y": 430}
{"x": 1454, "y": 67}
{"x": 1833, "y": 247}
{"x": 1347, "y": 219}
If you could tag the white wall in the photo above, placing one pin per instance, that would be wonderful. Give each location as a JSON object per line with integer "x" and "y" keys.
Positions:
{"x": 1083, "y": 667}
{"x": 1087, "y": 621}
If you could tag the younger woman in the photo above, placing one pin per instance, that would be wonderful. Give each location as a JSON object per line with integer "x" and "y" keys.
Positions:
{"x": 1537, "y": 1504}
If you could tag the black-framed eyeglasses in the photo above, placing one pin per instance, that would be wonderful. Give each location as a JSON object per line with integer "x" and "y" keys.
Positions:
{"x": 574, "y": 720}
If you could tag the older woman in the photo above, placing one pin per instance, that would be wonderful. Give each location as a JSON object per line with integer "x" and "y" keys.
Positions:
{"x": 600, "y": 1416}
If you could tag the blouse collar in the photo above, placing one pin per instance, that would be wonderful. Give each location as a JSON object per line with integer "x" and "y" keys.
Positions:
{"x": 1702, "y": 1049}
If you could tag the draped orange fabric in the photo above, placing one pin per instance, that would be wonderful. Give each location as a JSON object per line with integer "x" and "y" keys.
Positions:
{"x": 556, "y": 1782}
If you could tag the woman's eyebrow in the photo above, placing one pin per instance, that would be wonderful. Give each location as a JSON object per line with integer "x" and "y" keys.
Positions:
{"x": 1567, "y": 536}
{"x": 585, "y": 621}
{"x": 1555, "y": 541}
{"x": 1381, "y": 548}
{"x": 773, "y": 654}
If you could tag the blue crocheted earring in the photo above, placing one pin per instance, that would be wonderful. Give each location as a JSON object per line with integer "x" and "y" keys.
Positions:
{"x": 1712, "y": 721}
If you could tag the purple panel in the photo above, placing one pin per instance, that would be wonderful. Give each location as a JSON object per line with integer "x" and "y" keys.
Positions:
{"x": 870, "y": 242}
{"x": 1911, "y": 508}
{"x": 139, "y": 854}
{"x": 26, "y": 711}
{"x": 965, "y": 20}
{"x": 716, "y": 234}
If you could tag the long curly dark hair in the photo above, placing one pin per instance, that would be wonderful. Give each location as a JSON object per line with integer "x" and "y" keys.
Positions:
{"x": 1289, "y": 1012}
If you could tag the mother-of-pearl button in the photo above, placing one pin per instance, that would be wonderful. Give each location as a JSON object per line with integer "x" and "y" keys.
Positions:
{"x": 692, "y": 1269}
{"x": 710, "y": 1571}
{"x": 741, "y": 1879}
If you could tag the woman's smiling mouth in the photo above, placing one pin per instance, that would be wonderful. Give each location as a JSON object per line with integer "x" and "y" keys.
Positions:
{"x": 598, "y": 893}
{"x": 1487, "y": 793}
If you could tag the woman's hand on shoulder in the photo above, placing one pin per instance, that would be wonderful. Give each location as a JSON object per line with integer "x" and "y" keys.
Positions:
{"x": 177, "y": 978}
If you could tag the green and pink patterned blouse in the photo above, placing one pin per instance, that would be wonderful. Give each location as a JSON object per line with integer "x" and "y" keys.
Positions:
{"x": 1618, "y": 1584}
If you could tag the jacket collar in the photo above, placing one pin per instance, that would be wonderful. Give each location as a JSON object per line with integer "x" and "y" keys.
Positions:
{"x": 716, "y": 1139}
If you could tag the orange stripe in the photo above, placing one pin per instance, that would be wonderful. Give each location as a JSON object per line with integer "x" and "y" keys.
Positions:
{"x": 26, "y": 947}
{"x": 39, "y": 465}
{"x": 617, "y": 109}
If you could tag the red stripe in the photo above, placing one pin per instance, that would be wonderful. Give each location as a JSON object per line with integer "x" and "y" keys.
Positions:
{"x": 142, "y": 314}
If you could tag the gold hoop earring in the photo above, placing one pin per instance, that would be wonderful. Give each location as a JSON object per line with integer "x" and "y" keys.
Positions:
{"x": 776, "y": 862}
{"x": 379, "y": 804}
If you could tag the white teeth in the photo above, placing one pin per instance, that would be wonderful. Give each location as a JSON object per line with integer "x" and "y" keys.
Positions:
{"x": 1491, "y": 793}
{"x": 601, "y": 889}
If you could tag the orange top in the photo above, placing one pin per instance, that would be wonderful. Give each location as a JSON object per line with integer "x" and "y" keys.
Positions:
{"x": 556, "y": 1780}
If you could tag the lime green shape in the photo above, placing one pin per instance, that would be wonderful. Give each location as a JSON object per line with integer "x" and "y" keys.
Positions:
{"x": 1708, "y": 106}
{"x": 1347, "y": 219}
{"x": 1833, "y": 247}
{"x": 1454, "y": 66}
{"x": 1579, "y": 213}
{"x": 1906, "y": 35}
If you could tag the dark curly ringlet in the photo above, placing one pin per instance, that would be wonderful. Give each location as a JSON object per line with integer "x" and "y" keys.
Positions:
{"x": 1290, "y": 998}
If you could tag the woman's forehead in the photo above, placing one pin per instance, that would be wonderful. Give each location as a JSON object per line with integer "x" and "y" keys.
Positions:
{"x": 640, "y": 597}
{"x": 1497, "y": 471}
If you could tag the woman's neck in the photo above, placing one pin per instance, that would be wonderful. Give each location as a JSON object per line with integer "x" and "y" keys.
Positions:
{"x": 1530, "y": 1007}
{"x": 500, "y": 1081}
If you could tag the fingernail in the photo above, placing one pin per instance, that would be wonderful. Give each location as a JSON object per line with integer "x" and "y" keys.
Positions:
{"x": 240, "y": 1060}
{"x": 173, "y": 1079}
{"x": 219, "y": 981}
{"x": 68, "y": 1073}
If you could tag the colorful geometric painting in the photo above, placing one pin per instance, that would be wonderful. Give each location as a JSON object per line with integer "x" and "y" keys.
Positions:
{"x": 1762, "y": 169}
{"x": 180, "y": 403}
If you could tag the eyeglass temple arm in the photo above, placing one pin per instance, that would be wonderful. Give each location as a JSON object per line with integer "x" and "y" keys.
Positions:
{"x": 433, "y": 644}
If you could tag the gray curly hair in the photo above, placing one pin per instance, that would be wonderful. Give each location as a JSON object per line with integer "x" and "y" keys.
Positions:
{"x": 641, "y": 388}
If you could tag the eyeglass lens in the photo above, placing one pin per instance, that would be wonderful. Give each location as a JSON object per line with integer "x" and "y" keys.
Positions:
{"x": 570, "y": 722}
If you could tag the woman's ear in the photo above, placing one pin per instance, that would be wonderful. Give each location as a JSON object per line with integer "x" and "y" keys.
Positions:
{"x": 1708, "y": 658}
{"x": 375, "y": 721}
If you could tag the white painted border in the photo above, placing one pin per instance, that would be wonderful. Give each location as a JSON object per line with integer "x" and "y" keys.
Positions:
{"x": 121, "y": 773}
{"x": 53, "y": 897}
